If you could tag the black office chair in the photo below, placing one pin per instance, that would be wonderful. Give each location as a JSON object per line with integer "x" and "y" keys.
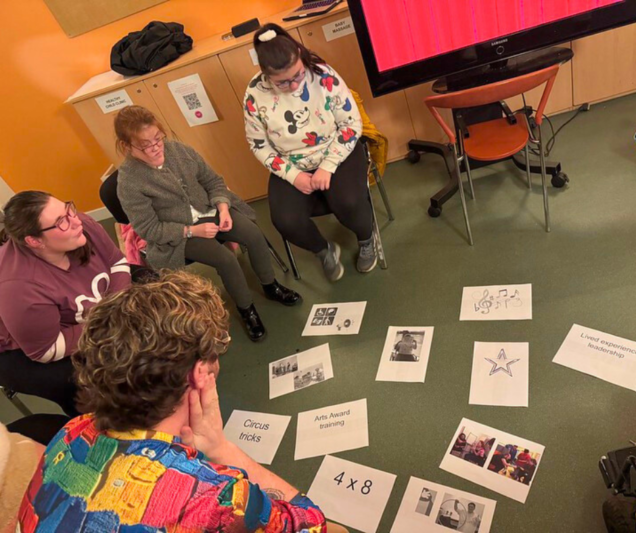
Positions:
{"x": 108, "y": 195}
{"x": 322, "y": 209}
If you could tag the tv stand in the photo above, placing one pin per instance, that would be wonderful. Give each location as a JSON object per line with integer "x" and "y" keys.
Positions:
{"x": 494, "y": 72}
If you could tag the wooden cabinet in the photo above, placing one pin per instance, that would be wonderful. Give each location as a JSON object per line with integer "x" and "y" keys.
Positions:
{"x": 389, "y": 113}
{"x": 101, "y": 124}
{"x": 222, "y": 144}
{"x": 603, "y": 65}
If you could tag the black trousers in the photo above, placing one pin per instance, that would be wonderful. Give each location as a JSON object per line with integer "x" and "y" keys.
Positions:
{"x": 212, "y": 252}
{"x": 51, "y": 381}
{"x": 347, "y": 198}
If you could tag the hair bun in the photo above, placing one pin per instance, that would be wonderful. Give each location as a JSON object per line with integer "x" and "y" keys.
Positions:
{"x": 267, "y": 36}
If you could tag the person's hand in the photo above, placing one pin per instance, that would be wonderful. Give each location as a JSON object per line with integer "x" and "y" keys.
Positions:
{"x": 321, "y": 180}
{"x": 205, "y": 429}
{"x": 207, "y": 230}
{"x": 225, "y": 219}
{"x": 303, "y": 183}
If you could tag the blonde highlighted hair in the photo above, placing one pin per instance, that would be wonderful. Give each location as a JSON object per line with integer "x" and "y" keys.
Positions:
{"x": 140, "y": 345}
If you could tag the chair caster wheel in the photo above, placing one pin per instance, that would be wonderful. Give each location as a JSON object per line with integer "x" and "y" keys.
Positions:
{"x": 413, "y": 156}
{"x": 560, "y": 180}
{"x": 434, "y": 212}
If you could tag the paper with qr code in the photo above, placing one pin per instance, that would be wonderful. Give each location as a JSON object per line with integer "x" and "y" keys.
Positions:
{"x": 190, "y": 95}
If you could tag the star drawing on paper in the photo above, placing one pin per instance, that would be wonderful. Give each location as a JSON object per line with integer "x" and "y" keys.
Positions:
{"x": 502, "y": 364}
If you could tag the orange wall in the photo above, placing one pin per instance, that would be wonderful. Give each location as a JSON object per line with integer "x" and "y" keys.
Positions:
{"x": 43, "y": 143}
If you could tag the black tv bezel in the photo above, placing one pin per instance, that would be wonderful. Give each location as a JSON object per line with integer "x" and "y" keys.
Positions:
{"x": 504, "y": 47}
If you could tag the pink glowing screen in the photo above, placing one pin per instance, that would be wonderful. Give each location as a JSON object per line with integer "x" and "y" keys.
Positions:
{"x": 405, "y": 31}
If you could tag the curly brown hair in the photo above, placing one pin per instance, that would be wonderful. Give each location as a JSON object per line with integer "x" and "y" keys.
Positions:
{"x": 139, "y": 346}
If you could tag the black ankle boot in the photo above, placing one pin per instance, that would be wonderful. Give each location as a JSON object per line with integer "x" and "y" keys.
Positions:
{"x": 255, "y": 328}
{"x": 275, "y": 291}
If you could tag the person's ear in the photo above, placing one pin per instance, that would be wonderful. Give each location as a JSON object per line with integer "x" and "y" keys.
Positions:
{"x": 33, "y": 242}
{"x": 199, "y": 375}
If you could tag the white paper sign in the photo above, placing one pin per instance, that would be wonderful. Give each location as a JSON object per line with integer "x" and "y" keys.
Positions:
{"x": 497, "y": 302}
{"x": 600, "y": 355}
{"x": 332, "y": 429}
{"x": 253, "y": 56}
{"x": 434, "y": 508}
{"x": 339, "y": 28}
{"x": 190, "y": 95}
{"x": 494, "y": 459}
{"x": 500, "y": 374}
{"x": 113, "y": 101}
{"x": 352, "y": 494}
{"x": 335, "y": 319}
{"x": 405, "y": 354}
{"x": 300, "y": 371}
{"x": 258, "y": 434}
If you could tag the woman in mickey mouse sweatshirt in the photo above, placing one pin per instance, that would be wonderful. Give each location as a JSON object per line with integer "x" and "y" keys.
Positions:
{"x": 303, "y": 124}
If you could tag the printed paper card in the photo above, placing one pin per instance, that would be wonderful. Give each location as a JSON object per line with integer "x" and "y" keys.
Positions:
{"x": 193, "y": 100}
{"x": 600, "y": 355}
{"x": 258, "y": 434}
{"x": 500, "y": 374}
{"x": 405, "y": 354}
{"x": 300, "y": 371}
{"x": 352, "y": 494}
{"x": 427, "y": 506}
{"x": 335, "y": 319}
{"x": 494, "y": 459}
{"x": 497, "y": 302}
{"x": 332, "y": 429}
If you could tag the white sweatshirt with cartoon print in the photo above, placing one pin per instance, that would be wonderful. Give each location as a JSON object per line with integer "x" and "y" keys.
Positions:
{"x": 316, "y": 126}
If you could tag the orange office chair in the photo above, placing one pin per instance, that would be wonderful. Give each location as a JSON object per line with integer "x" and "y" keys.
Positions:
{"x": 498, "y": 139}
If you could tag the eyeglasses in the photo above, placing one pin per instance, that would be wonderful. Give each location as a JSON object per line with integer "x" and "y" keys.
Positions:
{"x": 64, "y": 223}
{"x": 223, "y": 344}
{"x": 285, "y": 84}
{"x": 151, "y": 148}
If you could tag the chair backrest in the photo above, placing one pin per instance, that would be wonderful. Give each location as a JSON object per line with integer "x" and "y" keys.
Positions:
{"x": 491, "y": 93}
{"x": 108, "y": 195}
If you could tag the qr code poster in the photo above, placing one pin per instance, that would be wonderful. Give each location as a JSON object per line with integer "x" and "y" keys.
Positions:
{"x": 335, "y": 319}
{"x": 190, "y": 95}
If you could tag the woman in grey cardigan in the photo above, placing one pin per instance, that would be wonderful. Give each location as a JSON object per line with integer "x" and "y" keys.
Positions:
{"x": 184, "y": 211}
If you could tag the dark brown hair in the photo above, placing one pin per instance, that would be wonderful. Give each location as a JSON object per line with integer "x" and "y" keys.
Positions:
{"x": 283, "y": 51}
{"x": 139, "y": 346}
{"x": 129, "y": 121}
{"x": 21, "y": 219}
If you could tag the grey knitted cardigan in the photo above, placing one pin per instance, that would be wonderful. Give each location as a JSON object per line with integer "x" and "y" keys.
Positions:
{"x": 157, "y": 201}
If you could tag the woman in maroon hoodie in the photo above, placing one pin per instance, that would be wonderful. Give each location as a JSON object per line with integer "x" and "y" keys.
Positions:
{"x": 55, "y": 264}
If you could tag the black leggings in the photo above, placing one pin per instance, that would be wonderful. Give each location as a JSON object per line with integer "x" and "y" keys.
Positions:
{"x": 347, "y": 198}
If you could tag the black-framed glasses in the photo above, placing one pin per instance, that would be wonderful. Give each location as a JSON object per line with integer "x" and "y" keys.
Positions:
{"x": 151, "y": 147}
{"x": 285, "y": 84}
{"x": 64, "y": 223}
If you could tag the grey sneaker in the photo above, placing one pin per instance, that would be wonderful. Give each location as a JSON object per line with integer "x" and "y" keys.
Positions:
{"x": 367, "y": 258}
{"x": 330, "y": 259}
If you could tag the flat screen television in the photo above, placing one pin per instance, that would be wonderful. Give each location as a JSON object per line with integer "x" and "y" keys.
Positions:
{"x": 408, "y": 42}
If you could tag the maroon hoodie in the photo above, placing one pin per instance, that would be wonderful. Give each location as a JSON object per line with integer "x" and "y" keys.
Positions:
{"x": 43, "y": 307}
